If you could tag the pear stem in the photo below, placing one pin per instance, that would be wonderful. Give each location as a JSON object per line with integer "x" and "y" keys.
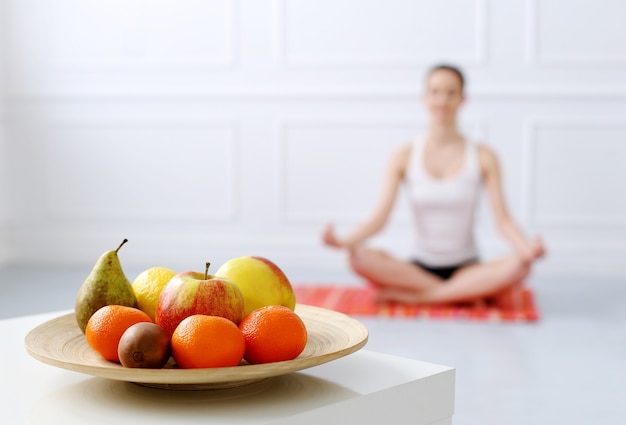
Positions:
{"x": 123, "y": 242}
{"x": 206, "y": 270}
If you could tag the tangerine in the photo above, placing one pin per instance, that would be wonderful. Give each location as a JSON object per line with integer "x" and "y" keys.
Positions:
{"x": 107, "y": 325}
{"x": 273, "y": 333}
{"x": 201, "y": 341}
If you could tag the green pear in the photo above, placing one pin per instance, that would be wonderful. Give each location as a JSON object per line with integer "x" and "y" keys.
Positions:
{"x": 106, "y": 285}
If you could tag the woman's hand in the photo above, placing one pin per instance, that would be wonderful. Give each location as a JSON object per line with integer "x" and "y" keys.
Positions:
{"x": 538, "y": 248}
{"x": 535, "y": 251}
{"x": 329, "y": 237}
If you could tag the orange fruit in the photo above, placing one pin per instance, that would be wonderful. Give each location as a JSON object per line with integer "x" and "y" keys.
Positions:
{"x": 107, "y": 325}
{"x": 201, "y": 341}
{"x": 273, "y": 333}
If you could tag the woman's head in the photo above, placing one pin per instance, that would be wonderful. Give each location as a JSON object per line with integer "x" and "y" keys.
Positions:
{"x": 443, "y": 95}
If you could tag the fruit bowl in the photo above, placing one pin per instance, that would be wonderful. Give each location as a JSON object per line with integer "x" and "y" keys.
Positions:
{"x": 332, "y": 335}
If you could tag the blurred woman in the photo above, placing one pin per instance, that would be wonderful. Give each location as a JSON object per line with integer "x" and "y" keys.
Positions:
{"x": 443, "y": 173}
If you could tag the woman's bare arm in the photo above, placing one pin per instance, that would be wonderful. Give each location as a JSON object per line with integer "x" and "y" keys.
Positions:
{"x": 505, "y": 224}
{"x": 391, "y": 184}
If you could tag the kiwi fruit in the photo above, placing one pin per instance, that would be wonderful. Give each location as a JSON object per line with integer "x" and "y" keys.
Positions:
{"x": 144, "y": 345}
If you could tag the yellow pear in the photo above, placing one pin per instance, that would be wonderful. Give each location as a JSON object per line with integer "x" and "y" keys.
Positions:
{"x": 105, "y": 285}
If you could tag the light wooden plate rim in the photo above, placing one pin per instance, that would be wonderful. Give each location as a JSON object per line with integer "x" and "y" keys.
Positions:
{"x": 332, "y": 335}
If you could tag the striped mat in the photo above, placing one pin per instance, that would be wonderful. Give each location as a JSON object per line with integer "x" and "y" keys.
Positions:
{"x": 359, "y": 301}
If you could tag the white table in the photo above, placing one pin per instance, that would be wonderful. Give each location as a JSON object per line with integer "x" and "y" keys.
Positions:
{"x": 364, "y": 387}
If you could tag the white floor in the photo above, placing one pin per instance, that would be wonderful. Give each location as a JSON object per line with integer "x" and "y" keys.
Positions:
{"x": 570, "y": 368}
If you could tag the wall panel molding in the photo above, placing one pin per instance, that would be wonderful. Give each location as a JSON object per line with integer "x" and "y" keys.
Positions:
{"x": 589, "y": 58}
{"x": 304, "y": 216}
{"x": 374, "y": 92}
{"x": 573, "y": 219}
{"x": 149, "y": 167}
{"x": 478, "y": 55}
{"x": 131, "y": 36}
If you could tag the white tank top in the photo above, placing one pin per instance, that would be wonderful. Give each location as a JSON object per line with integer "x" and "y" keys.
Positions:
{"x": 443, "y": 209}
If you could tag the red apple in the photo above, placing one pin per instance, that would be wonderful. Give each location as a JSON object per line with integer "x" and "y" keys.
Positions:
{"x": 192, "y": 292}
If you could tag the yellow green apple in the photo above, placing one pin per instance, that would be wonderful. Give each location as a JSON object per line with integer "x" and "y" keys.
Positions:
{"x": 260, "y": 281}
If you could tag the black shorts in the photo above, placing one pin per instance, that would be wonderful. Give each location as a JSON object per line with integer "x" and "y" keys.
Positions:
{"x": 446, "y": 271}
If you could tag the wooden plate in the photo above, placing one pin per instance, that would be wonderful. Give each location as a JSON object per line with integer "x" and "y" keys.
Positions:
{"x": 59, "y": 342}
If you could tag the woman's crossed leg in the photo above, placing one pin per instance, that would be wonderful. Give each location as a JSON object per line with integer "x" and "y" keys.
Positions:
{"x": 405, "y": 282}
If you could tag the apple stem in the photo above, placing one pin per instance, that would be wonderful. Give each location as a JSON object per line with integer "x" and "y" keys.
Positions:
{"x": 206, "y": 270}
{"x": 123, "y": 242}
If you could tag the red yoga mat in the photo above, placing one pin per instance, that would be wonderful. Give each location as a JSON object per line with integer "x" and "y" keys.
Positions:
{"x": 359, "y": 301}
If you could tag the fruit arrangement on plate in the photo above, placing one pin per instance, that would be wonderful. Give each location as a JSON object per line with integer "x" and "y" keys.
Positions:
{"x": 244, "y": 314}
{"x": 192, "y": 330}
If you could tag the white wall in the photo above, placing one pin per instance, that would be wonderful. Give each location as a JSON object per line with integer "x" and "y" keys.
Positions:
{"x": 210, "y": 129}
{"x": 4, "y": 197}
